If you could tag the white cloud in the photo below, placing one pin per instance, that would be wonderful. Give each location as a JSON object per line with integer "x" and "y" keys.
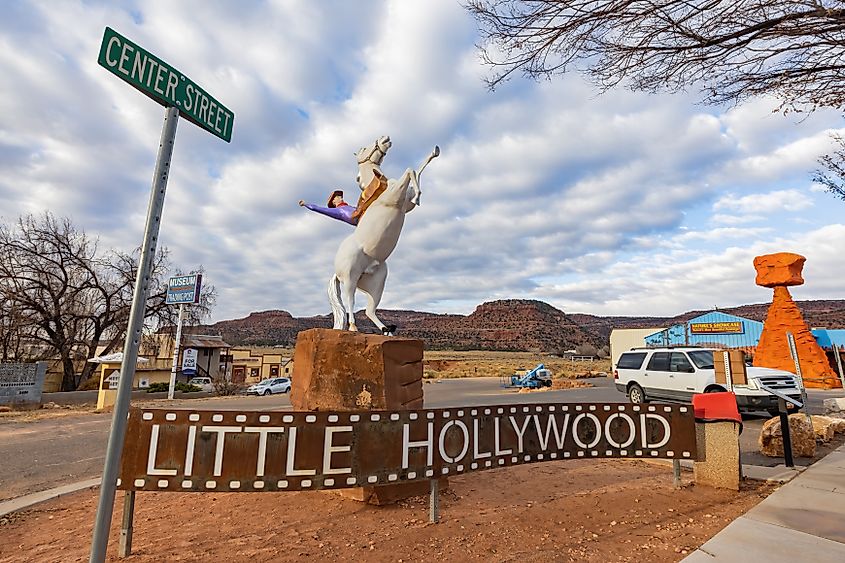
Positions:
{"x": 542, "y": 190}
{"x": 779, "y": 200}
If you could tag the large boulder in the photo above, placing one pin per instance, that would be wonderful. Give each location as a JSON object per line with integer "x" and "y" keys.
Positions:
{"x": 801, "y": 433}
{"x": 835, "y": 407}
{"x": 827, "y": 426}
{"x": 823, "y": 428}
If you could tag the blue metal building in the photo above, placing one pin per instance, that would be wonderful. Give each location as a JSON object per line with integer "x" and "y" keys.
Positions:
{"x": 710, "y": 329}
{"x": 722, "y": 330}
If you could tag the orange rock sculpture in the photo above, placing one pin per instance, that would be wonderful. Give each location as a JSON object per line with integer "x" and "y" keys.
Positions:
{"x": 783, "y": 268}
{"x": 779, "y": 271}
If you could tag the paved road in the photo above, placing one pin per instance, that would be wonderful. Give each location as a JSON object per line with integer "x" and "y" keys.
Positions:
{"x": 49, "y": 453}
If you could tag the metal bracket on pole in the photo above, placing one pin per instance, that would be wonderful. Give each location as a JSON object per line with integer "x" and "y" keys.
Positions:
{"x": 176, "y": 345}
{"x": 125, "y": 546}
{"x": 793, "y": 351}
{"x": 839, "y": 365}
{"x": 434, "y": 502}
{"x": 105, "y": 507}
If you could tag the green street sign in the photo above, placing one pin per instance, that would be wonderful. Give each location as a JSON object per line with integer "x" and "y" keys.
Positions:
{"x": 155, "y": 78}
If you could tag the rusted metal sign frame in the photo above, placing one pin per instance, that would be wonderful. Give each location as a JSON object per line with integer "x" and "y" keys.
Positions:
{"x": 191, "y": 450}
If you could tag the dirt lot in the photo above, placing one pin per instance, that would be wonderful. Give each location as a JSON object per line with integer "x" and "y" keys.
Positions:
{"x": 446, "y": 364}
{"x": 609, "y": 510}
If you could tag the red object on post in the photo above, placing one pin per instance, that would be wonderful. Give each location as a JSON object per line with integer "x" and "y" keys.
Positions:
{"x": 714, "y": 407}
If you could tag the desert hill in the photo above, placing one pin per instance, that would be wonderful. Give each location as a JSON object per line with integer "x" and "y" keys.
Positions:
{"x": 513, "y": 324}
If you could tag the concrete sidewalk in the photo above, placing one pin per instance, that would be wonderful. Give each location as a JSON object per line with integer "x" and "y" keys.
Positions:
{"x": 27, "y": 501}
{"x": 804, "y": 520}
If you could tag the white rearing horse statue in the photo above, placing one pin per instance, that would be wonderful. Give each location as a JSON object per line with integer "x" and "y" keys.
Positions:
{"x": 360, "y": 261}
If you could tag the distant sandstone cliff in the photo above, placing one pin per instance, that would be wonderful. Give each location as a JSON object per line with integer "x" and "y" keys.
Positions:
{"x": 513, "y": 324}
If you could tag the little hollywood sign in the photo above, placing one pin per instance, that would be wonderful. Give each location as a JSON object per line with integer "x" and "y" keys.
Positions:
{"x": 186, "y": 450}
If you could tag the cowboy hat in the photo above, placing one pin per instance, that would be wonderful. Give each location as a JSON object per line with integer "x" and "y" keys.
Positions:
{"x": 334, "y": 195}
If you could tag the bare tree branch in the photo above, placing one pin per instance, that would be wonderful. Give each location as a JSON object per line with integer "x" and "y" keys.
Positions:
{"x": 731, "y": 50}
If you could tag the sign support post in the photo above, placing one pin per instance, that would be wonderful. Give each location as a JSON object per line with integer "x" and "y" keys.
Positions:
{"x": 793, "y": 351}
{"x": 100, "y": 540}
{"x": 176, "y": 346}
{"x": 839, "y": 364}
{"x": 434, "y": 502}
{"x": 125, "y": 546}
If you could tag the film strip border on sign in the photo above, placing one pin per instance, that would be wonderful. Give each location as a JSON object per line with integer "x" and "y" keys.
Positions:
{"x": 167, "y": 445}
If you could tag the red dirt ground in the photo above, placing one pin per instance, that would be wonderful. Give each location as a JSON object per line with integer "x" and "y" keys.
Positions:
{"x": 602, "y": 510}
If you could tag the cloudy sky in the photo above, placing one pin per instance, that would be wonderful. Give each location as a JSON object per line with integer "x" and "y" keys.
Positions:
{"x": 622, "y": 203}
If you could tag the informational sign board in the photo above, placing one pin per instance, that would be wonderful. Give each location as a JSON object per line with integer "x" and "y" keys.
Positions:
{"x": 21, "y": 384}
{"x": 728, "y": 327}
{"x": 730, "y": 362}
{"x": 160, "y": 81}
{"x": 183, "y": 289}
{"x": 113, "y": 380}
{"x": 189, "y": 361}
{"x": 189, "y": 450}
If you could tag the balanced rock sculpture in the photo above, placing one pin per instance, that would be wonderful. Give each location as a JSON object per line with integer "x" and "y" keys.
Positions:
{"x": 780, "y": 271}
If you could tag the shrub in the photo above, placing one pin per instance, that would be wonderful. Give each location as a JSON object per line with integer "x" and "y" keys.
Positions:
{"x": 180, "y": 386}
{"x": 225, "y": 387}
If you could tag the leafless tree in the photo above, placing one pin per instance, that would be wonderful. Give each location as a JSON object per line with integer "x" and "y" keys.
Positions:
{"x": 13, "y": 332}
{"x": 68, "y": 300}
{"x": 832, "y": 176}
{"x": 730, "y": 49}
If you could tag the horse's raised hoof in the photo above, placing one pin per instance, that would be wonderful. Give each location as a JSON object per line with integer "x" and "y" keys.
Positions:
{"x": 389, "y": 330}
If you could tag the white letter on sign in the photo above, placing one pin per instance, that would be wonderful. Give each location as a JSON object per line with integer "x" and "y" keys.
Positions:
{"x": 520, "y": 432}
{"x": 632, "y": 431}
{"x": 667, "y": 432}
{"x": 551, "y": 425}
{"x": 112, "y": 41}
{"x": 151, "y": 460}
{"x": 476, "y": 454}
{"x": 329, "y": 449}
{"x": 407, "y": 444}
{"x": 596, "y": 423}
{"x": 221, "y": 441}
{"x": 262, "y": 444}
{"x": 291, "y": 453}
{"x": 442, "y": 440}
{"x": 497, "y": 439}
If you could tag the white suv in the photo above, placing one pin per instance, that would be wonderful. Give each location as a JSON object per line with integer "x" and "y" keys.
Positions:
{"x": 677, "y": 373}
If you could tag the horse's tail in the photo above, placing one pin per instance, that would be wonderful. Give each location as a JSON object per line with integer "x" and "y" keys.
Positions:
{"x": 335, "y": 301}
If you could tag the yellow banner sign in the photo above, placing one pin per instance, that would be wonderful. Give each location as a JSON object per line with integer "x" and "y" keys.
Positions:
{"x": 731, "y": 327}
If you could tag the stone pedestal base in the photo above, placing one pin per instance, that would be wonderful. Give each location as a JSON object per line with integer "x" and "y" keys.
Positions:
{"x": 344, "y": 371}
{"x": 338, "y": 370}
{"x": 721, "y": 467}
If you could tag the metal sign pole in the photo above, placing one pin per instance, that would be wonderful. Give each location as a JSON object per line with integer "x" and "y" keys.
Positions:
{"x": 839, "y": 364}
{"x": 793, "y": 351}
{"x": 100, "y": 540}
{"x": 176, "y": 347}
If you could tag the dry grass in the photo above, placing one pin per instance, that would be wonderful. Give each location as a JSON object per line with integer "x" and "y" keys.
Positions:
{"x": 446, "y": 364}
{"x": 47, "y": 411}
{"x": 480, "y": 363}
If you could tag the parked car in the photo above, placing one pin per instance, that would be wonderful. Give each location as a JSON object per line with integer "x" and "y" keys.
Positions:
{"x": 269, "y": 386}
{"x": 677, "y": 373}
{"x": 203, "y": 383}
